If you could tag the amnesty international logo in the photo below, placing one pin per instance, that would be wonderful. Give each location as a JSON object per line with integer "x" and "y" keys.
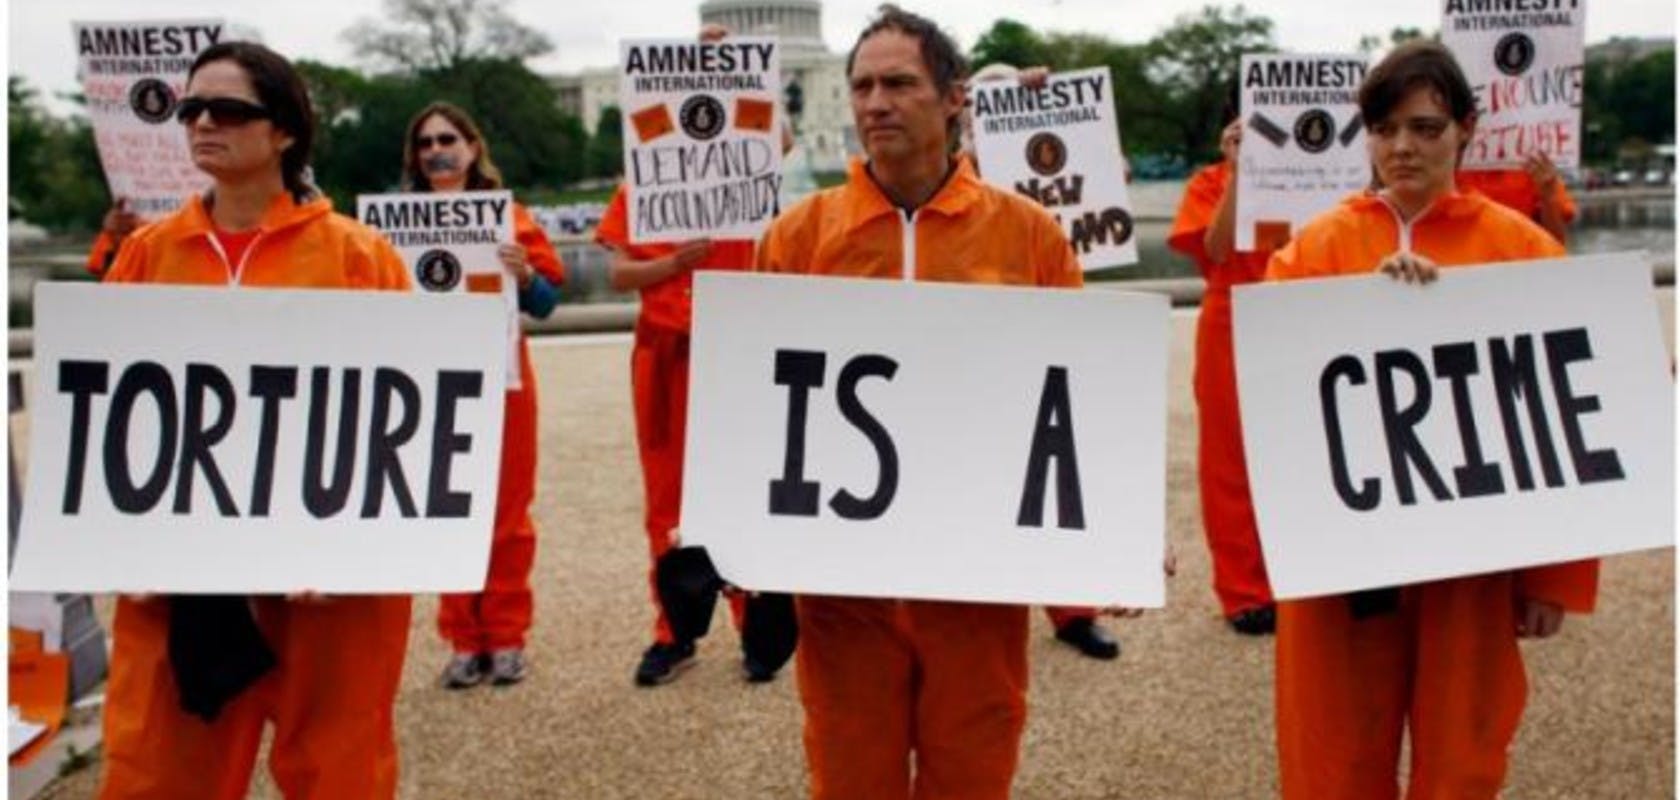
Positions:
{"x": 1046, "y": 153}
{"x": 438, "y": 270}
{"x": 152, "y": 100}
{"x": 701, "y": 117}
{"x": 1514, "y": 53}
{"x": 1314, "y": 130}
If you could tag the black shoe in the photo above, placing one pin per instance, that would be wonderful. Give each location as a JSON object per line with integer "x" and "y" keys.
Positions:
{"x": 1257, "y": 621}
{"x": 662, "y": 663}
{"x": 756, "y": 671}
{"x": 1089, "y": 638}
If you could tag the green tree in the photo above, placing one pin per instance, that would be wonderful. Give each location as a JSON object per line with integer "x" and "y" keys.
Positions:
{"x": 606, "y": 147}
{"x": 1194, "y": 64}
{"x": 418, "y": 35}
{"x": 1010, "y": 42}
{"x": 53, "y": 171}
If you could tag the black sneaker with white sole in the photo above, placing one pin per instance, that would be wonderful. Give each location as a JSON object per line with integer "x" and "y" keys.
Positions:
{"x": 662, "y": 663}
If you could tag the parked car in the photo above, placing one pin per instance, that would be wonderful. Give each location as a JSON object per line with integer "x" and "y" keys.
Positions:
{"x": 1656, "y": 177}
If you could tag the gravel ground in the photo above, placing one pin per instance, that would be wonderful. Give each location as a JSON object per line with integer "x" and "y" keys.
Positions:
{"x": 1185, "y": 713}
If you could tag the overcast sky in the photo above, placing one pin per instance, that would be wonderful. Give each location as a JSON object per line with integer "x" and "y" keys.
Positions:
{"x": 585, "y": 32}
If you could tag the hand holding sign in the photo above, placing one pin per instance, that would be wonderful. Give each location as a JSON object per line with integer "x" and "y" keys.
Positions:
{"x": 1409, "y": 267}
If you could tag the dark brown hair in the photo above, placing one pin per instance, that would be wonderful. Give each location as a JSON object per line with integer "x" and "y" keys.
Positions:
{"x": 943, "y": 59}
{"x": 1414, "y": 64}
{"x": 481, "y": 173}
{"x": 281, "y": 90}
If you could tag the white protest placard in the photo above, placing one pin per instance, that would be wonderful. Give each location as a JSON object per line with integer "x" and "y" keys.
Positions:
{"x": 1059, "y": 145}
{"x": 1505, "y": 416}
{"x": 1303, "y": 142}
{"x": 208, "y": 440}
{"x": 449, "y": 241}
{"x": 975, "y": 443}
{"x": 133, "y": 74}
{"x": 1525, "y": 63}
{"x": 702, "y": 137}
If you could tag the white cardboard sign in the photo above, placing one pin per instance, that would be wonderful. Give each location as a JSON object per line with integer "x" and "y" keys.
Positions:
{"x": 702, "y": 136}
{"x": 449, "y": 241}
{"x": 133, "y": 74}
{"x": 974, "y": 443}
{"x": 1059, "y": 145}
{"x": 1303, "y": 142}
{"x": 1526, "y": 68}
{"x": 1505, "y": 416}
{"x": 203, "y": 440}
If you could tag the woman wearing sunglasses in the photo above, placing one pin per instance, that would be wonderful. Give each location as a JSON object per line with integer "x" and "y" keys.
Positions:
{"x": 324, "y": 671}
{"x": 445, "y": 152}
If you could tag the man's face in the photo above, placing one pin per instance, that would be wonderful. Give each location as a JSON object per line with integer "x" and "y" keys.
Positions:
{"x": 899, "y": 112}
{"x": 1415, "y": 150}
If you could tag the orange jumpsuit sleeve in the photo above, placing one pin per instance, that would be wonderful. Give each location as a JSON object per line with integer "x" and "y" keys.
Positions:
{"x": 129, "y": 264}
{"x": 1195, "y": 213}
{"x": 103, "y": 253}
{"x": 544, "y": 259}
{"x": 1565, "y": 202}
{"x": 1053, "y": 253}
{"x": 614, "y": 228}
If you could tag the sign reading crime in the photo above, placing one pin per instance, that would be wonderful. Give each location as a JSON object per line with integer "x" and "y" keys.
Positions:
{"x": 133, "y": 75}
{"x": 1525, "y": 63}
{"x": 1303, "y": 142}
{"x": 976, "y": 443}
{"x": 201, "y": 440}
{"x": 1503, "y": 417}
{"x": 449, "y": 241}
{"x": 1059, "y": 145}
{"x": 703, "y": 146}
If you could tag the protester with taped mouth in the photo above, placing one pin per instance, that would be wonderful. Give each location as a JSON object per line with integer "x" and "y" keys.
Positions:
{"x": 664, "y": 275}
{"x": 1075, "y": 626}
{"x": 1536, "y": 191}
{"x": 915, "y": 698}
{"x": 1205, "y": 230}
{"x": 195, "y": 678}
{"x": 1439, "y": 659}
{"x": 445, "y": 152}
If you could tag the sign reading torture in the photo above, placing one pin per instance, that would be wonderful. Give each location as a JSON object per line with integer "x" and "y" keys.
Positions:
{"x": 1303, "y": 143}
{"x": 934, "y": 453}
{"x": 1525, "y": 63}
{"x": 449, "y": 241}
{"x": 703, "y": 154}
{"x": 1059, "y": 145}
{"x": 201, "y": 440}
{"x": 1506, "y": 416}
{"x": 133, "y": 74}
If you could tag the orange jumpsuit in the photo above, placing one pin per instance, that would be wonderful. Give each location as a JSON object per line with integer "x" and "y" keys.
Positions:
{"x": 886, "y": 680}
{"x": 1233, "y": 537}
{"x": 1446, "y": 663}
{"x": 1514, "y": 189}
{"x": 102, "y": 253}
{"x": 499, "y": 616}
{"x": 339, "y": 660}
{"x": 659, "y": 384}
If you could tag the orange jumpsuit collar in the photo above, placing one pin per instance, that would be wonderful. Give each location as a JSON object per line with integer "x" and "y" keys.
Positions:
{"x": 865, "y": 200}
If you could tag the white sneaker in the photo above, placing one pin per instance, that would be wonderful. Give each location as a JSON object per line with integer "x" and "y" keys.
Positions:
{"x": 507, "y": 666}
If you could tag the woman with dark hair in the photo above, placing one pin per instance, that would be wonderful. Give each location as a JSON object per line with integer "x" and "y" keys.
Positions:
{"x": 445, "y": 152}
{"x": 1205, "y": 230}
{"x": 194, "y": 679}
{"x": 1438, "y": 659}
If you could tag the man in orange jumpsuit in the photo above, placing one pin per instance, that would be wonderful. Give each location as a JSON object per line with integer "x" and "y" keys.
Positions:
{"x": 915, "y": 698}
{"x": 1205, "y": 230}
{"x": 338, "y": 660}
{"x": 1535, "y": 191}
{"x": 1438, "y": 658}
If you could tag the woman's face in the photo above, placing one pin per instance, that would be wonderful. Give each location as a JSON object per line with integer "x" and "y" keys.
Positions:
{"x": 232, "y": 141}
{"x": 443, "y": 152}
{"x": 1415, "y": 150}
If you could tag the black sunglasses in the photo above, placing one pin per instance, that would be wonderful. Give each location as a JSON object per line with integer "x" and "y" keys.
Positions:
{"x": 441, "y": 140}
{"x": 223, "y": 110}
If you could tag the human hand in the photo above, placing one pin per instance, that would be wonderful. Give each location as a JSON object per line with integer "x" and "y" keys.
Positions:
{"x": 688, "y": 254}
{"x": 1035, "y": 77}
{"x": 1542, "y": 171}
{"x": 514, "y": 260}
{"x": 1230, "y": 142}
{"x": 119, "y": 221}
{"x": 713, "y": 31}
{"x": 1538, "y": 619}
{"x": 308, "y": 597}
{"x": 1409, "y": 267}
